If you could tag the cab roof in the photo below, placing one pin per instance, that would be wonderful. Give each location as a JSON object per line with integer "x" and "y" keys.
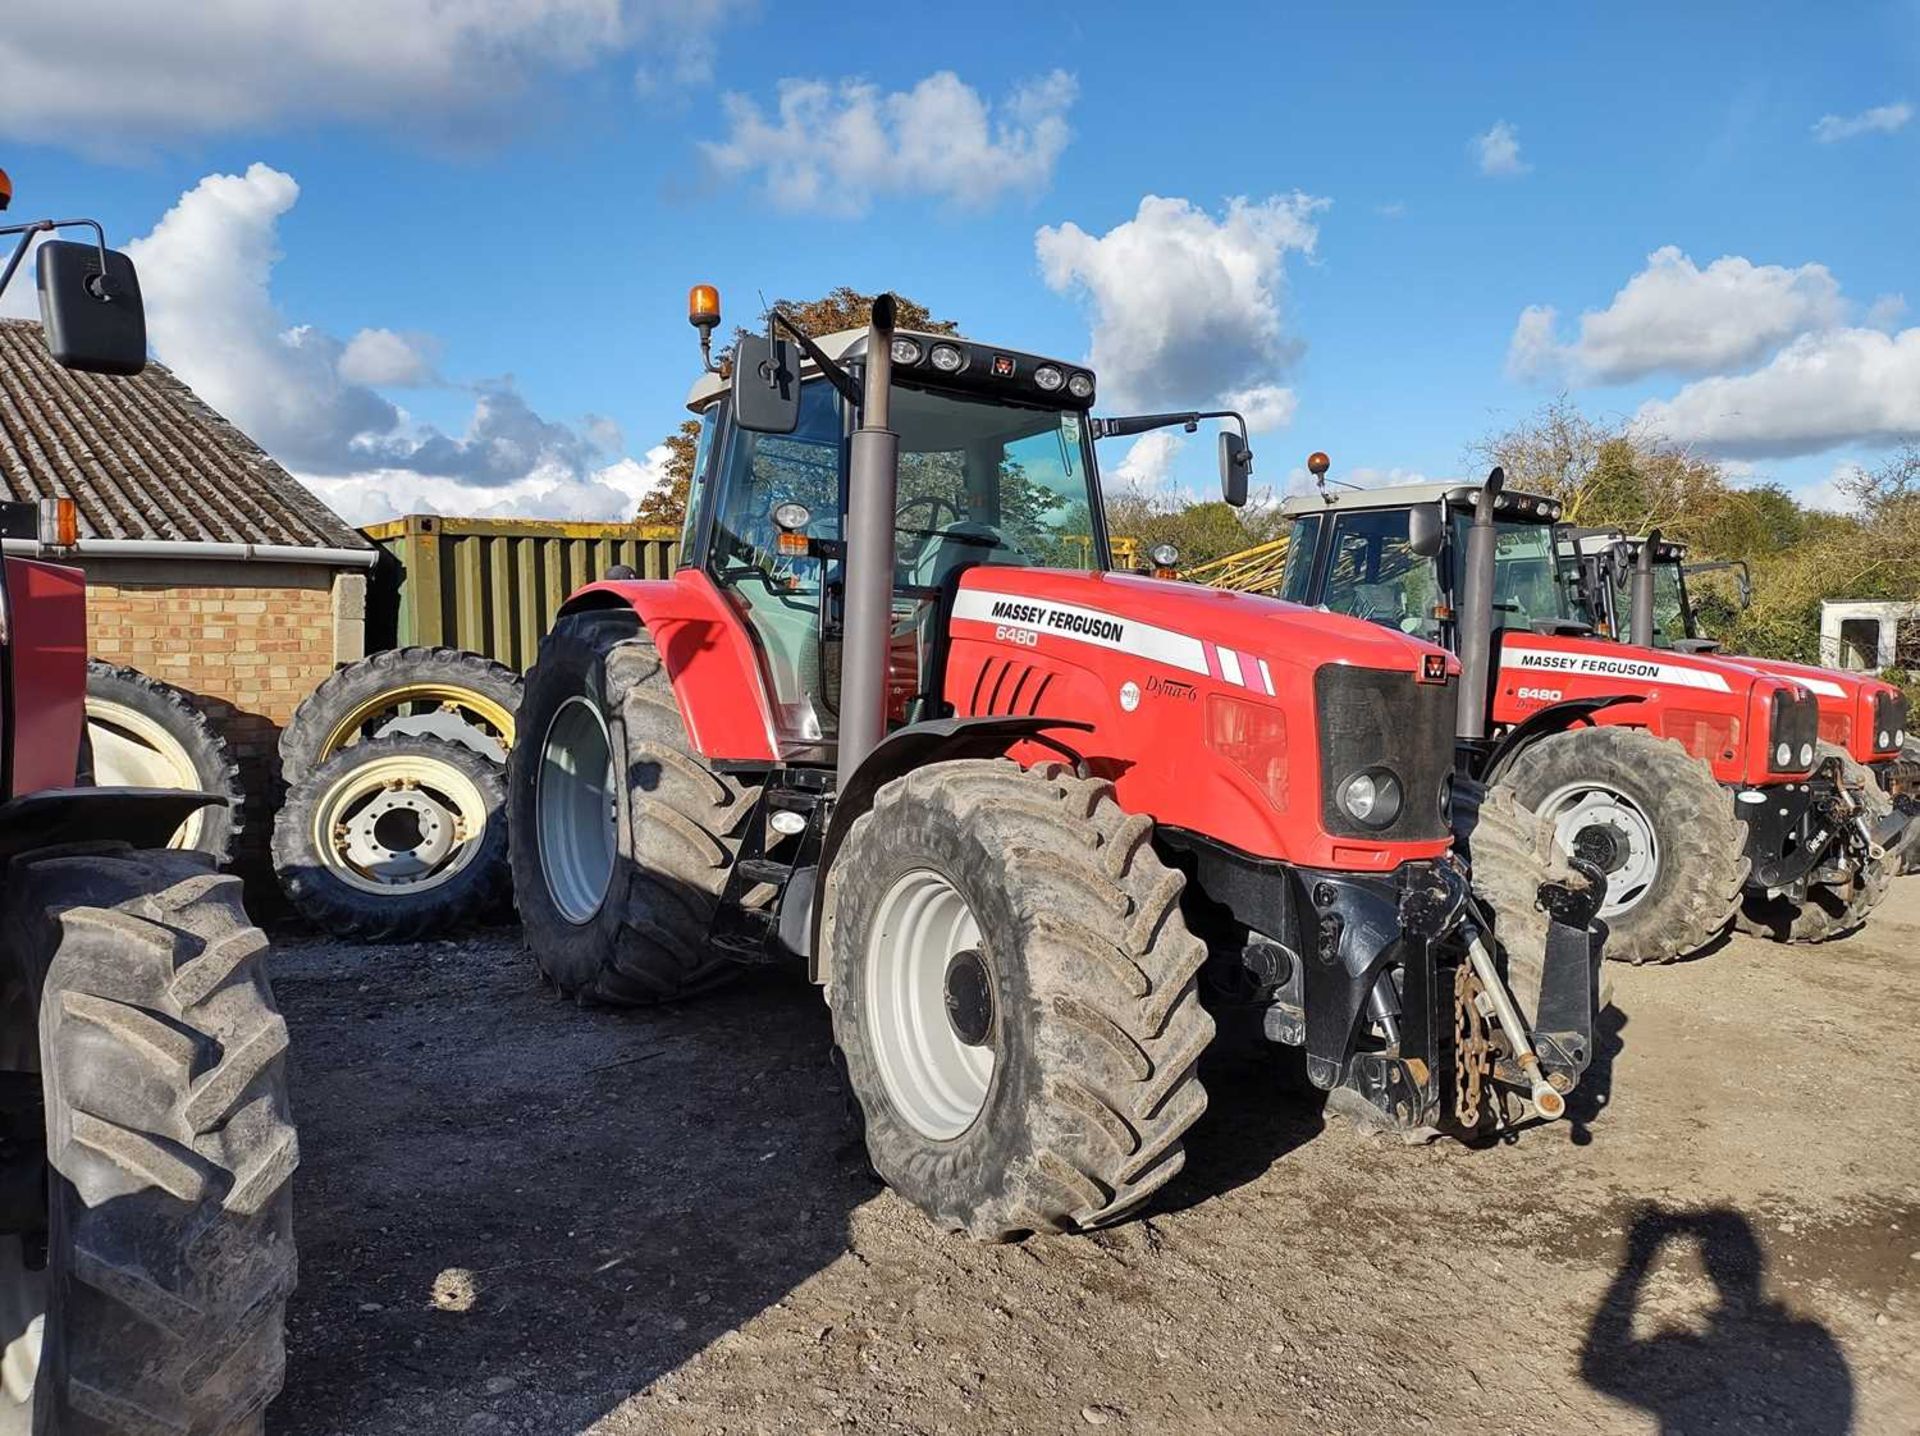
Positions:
{"x": 846, "y": 345}
{"x": 1514, "y": 503}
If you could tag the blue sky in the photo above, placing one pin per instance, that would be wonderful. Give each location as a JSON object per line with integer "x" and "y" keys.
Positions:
{"x": 513, "y": 197}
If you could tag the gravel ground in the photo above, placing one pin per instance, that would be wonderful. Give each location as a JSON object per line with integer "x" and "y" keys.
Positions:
{"x": 518, "y": 1216}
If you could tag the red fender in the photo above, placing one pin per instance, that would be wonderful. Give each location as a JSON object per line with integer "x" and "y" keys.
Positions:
{"x": 47, "y": 608}
{"x": 710, "y": 657}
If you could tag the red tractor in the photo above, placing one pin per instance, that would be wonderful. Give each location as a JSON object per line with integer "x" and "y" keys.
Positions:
{"x": 145, "y": 1246}
{"x": 1004, "y": 812}
{"x": 1637, "y": 588}
{"x": 1688, "y": 779}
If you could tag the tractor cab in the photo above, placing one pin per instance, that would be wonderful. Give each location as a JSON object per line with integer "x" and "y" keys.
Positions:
{"x": 1397, "y": 557}
{"x": 1599, "y": 565}
{"x": 996, "y": 467}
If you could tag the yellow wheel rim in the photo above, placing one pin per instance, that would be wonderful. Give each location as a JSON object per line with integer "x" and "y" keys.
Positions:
{"x": 450, "y": 697}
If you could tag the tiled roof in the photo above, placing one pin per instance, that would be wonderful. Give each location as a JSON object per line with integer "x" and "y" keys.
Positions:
{"x": 143, "y": 457}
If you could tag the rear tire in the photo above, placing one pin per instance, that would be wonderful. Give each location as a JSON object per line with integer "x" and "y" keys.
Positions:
{"x": 1825, "y": 913}
{"x": 364, "y": 699}
{"x": 1070, "y": 1111}
{"x": 1688, "y": 852}
{"x": 442, "y": 866}
{"x": 143, "y": 733}
{"x": 143, "y": 988}
{"x": 618, "y": 915}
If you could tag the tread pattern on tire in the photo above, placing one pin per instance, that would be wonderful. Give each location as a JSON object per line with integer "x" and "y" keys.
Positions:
{"x": 347, "y": 688}
{"x": 477, "y": 893}
{"x": 1702, "y": 843}
{"x": 1113, "y": 973}
{"x": 681, "y": 830}
{"x": 169, "y": 1129}
{"x": 216, "y": 768}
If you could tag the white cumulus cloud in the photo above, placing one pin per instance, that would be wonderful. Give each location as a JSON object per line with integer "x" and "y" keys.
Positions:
{"x": 1881, "y": 119}
{"x": 314, "y": 401}
{"x": 1497, "y": 152}
{"x": 834, "y": 146}
{"x": 133, "y": 73}
{"x": 1821, "y": 391}
{"x": 1149, "y": 462}
{"x": 382, "y": 357}
{"x": 1674, "y": 316}
{"x": 1187, "y": 306}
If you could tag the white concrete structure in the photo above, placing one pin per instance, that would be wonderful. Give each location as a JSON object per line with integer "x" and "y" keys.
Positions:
{"x": 1868, "y": 635}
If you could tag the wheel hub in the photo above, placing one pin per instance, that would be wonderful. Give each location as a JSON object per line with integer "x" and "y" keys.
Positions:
{"x": 401, "y": 835}
{"x": 576, "y": 809}
{"x": 1609, "y": 830}
{"x": 928, "y": 1005}
{"x": 969, "y": 994}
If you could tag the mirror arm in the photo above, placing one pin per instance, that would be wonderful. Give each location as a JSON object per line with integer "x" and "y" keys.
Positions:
{"x": 835, "y": 375}
{"x": 47, "y": 226}
{"x": 1141, "y": 423}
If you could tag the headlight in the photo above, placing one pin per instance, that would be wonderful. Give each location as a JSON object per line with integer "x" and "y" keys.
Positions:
{"x": 906, "y": 351}
{"x": 1081, "y": 386}
{"x": 1371, "y": 797}
{"x": 1164, "y": 555}
{"x": 948, "y": 359}
{"x": 1806, "y": 755}
{"x": 791, "y": 517}
{"x": 1048, "y": 377}
{"x": 1783, "y": 755}
{"x": 1886, "y": 739}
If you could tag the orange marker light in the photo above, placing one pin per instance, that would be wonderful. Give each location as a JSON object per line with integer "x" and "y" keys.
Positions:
{"x": 59, "y": 523}
{"x": 703, "y": 306}
{"x": 6, "y": 190}
{"x": 1318, "y": 463}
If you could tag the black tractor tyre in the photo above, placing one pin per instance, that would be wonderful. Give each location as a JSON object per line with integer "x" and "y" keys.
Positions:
{"x": 1097, "y": 1028}
{"x": 118, "y": 698}
{"x": 677, "y": 824}
{"x": 455, "y": 675}
{"x": 1826, "y": 912}
{"x": 450, "y": 784}
{"x": 1511, "y": 853}
{"x": 140, "y": 993}
{"x": 1702, "y": 861}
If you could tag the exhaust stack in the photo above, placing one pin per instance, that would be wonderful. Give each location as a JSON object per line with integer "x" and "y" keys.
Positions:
{"x": 1640, "y": 629}
{"x": 1475, "y": 620}
{"x": 873, "y": 482}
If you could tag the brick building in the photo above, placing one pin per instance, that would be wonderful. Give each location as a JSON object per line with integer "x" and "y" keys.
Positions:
{"x": 208, "y": 565}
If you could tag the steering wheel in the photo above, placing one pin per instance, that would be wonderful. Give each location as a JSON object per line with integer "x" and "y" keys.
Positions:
{"x": 933, "y": 503}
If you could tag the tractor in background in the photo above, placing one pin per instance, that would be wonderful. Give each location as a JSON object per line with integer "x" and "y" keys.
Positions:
{"x": 146, "y": 1248}
{"x": 1694, "y": 782}
{"x": 1011, "y": 814}
{"x": 1637, "y": 588}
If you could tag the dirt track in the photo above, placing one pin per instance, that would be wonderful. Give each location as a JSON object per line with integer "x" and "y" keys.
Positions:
{"x": 516, "y": 1216}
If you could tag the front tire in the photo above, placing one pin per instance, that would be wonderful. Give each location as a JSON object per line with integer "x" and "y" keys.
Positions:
{"x": 1033, "y": 1065}
{"x": 140, "y": 995}
{"x": 1652, "y": 817}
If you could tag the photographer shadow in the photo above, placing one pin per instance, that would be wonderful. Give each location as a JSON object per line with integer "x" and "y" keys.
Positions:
{"x": 1752, "y": 1366}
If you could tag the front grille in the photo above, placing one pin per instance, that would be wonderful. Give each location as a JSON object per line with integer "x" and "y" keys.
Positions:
{"x": 1371, "y": 717}
{"x": 1889, "y": 718}
{"x": 1796, "y": 725}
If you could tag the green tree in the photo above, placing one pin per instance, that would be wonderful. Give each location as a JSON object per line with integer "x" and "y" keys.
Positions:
{"x": 668, "y": 503}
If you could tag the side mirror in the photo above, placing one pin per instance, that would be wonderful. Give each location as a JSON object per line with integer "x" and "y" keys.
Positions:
{"x": 94, "y": 320}
{"x": 1236, "y": 462}
{"x": 766, "y": 385}
{"x": 1426, "y": 528}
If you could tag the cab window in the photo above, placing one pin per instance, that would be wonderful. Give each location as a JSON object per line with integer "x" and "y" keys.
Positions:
{"x": 1302, "y": 543}
{"x": 1374, "y": 575}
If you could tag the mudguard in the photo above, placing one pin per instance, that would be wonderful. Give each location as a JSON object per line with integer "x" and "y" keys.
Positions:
{"x": 55, "y": 817}
{"x": 709, "y": 655}
{"x": 1537, "y": 725}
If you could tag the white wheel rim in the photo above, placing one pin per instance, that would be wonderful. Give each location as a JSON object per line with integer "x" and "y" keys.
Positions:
{"x": 575, "y": 810}
{"x": 399, "y": 825}
{"x": 934, "y": 1080}
{"x": 1577, "y": 807}
{"x": 130, "y": 750}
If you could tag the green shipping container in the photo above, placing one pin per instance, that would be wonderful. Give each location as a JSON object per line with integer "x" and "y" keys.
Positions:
{"x": 493, "y": 585}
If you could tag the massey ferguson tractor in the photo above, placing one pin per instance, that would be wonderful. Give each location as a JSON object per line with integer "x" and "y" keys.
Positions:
{"x": 1002, "y": 811}
{"x": 1687, "y": 778}
{"x": 145, "y": 1246}
{"x": 1636, "y": 588}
